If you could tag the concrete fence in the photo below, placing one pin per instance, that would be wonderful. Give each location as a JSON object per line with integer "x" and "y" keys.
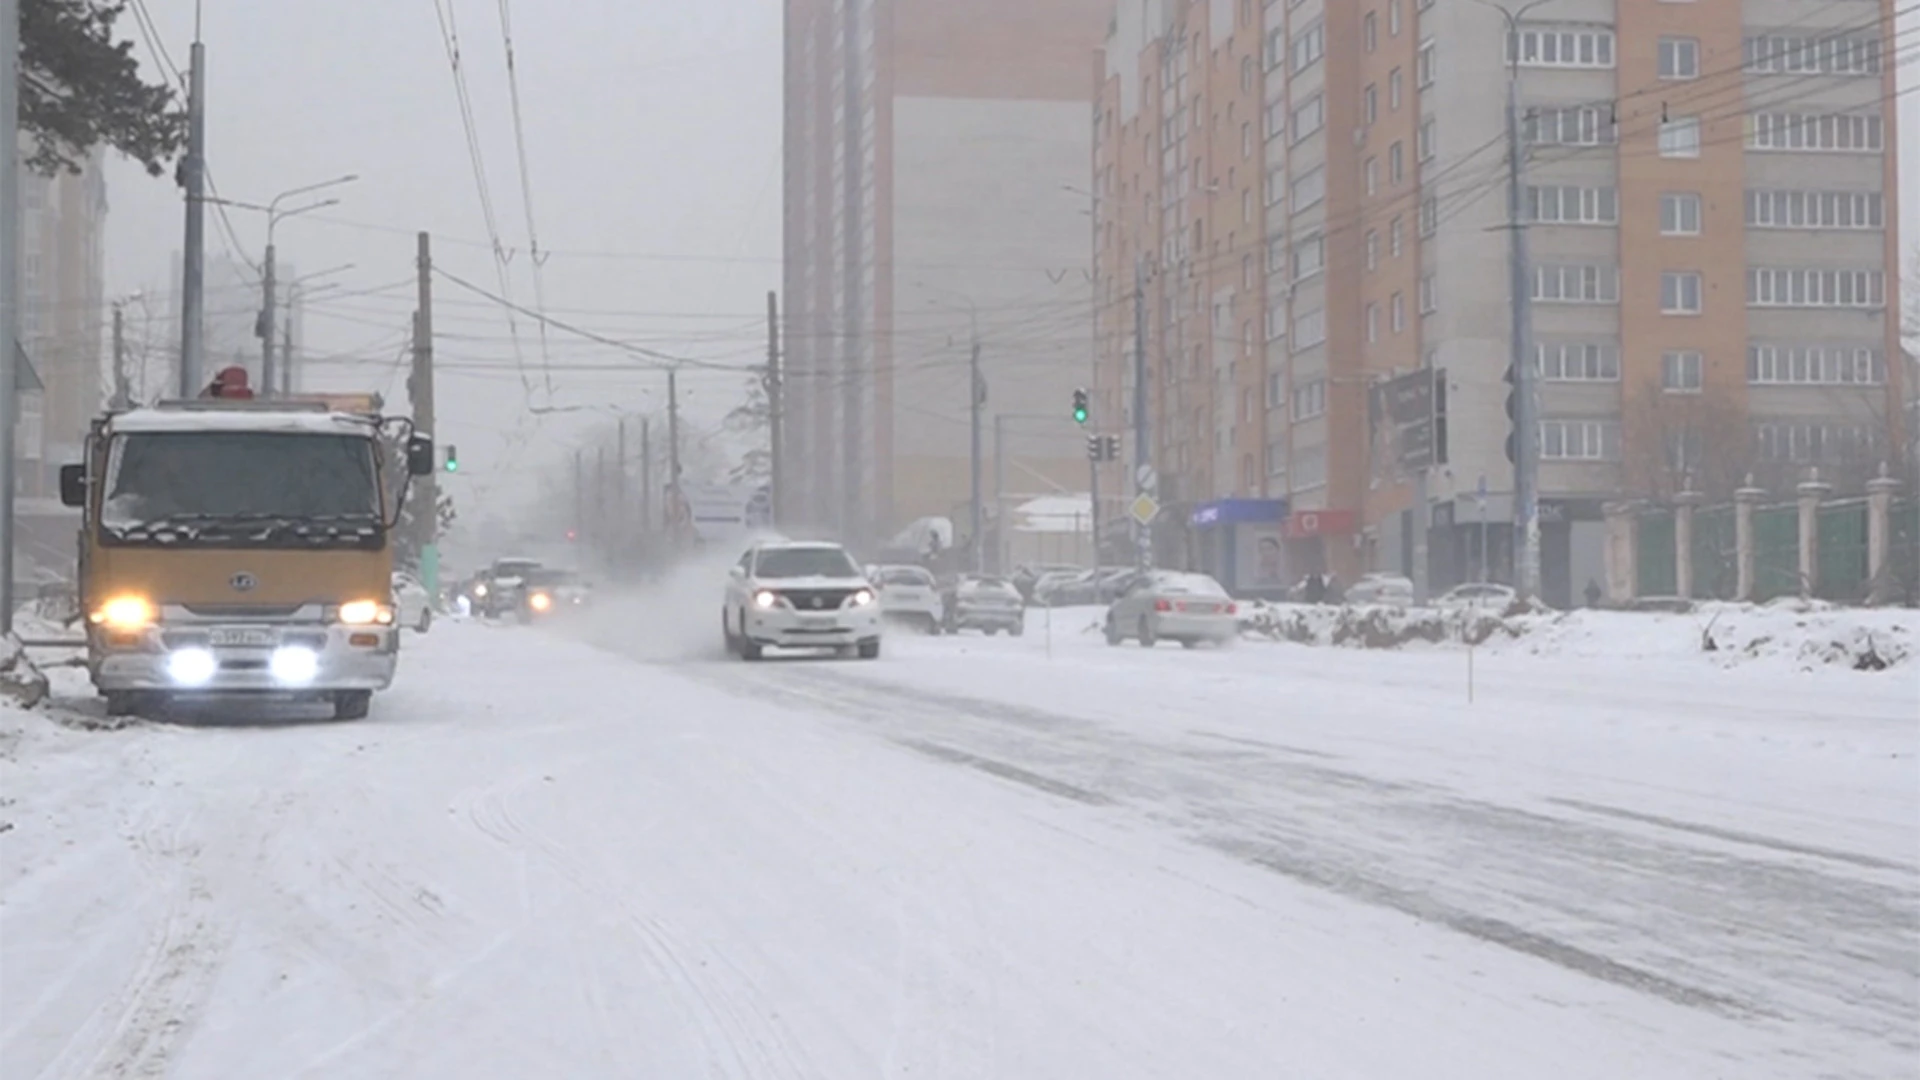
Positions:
{"x": 1861, "y": 550}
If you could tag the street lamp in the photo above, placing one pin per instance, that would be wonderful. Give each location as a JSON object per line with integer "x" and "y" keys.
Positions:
{"x": 265, "y": 327}
{"x": 297, "y": 291}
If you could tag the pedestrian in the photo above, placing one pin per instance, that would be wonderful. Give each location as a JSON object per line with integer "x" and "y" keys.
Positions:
{"x": 1593, "y": 593}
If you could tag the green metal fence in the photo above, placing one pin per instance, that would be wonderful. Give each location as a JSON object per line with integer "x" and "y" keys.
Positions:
{"x": 1656, "y": 555}
{"x": 1903, "y": 556}
{"x": 1776, "y": 552}
{"x": 1842, "y": 557}
{"x": 1715, "y": 555}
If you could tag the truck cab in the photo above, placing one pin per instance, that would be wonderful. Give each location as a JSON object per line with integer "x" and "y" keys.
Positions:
{"x": 241, "y": 548}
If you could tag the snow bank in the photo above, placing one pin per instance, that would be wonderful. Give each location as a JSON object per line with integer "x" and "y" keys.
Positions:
{"x": 1801, "y": 634}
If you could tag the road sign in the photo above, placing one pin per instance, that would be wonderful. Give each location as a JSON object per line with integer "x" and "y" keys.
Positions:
{"x": 1146, "y": 477}
{"x": 1403, "y": 410}
{"x": 1144, "y": 509}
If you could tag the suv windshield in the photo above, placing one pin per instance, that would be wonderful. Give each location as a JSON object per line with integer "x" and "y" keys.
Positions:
{"x": 249, "y": 487}
{"x": 804, "y": 562}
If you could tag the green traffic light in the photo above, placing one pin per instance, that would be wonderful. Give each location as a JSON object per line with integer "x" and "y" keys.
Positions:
{"x": 1079, "y": 416}
{"x": 453, "y": 466}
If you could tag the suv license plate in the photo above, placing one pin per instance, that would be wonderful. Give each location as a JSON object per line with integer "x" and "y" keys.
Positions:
{"x": 243, "y": 638}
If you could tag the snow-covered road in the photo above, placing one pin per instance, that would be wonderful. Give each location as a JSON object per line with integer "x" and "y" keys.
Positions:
{"x": 980, "y": 858}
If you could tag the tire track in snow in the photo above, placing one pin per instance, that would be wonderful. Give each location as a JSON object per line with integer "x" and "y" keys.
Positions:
{"x": 737, "y": 1039}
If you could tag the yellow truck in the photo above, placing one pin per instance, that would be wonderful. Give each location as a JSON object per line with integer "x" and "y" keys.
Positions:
{"x": 234, "y": 547}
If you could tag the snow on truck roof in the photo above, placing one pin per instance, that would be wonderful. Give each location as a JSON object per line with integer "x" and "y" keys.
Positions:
{"x": 273, "y": 421}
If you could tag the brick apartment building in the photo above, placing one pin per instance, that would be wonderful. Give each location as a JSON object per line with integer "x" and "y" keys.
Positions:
{"x": 930, "y": 146}
{"x": 1317, "y": 193}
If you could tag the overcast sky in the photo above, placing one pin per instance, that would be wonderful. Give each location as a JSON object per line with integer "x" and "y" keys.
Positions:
{"x": 653, "y": 140}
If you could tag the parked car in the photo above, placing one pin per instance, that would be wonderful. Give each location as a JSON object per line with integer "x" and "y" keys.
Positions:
{"x": 987, "y": 604}
{"x": 1477, "y": 596}
{"x": 1086, "y": 587}
{"x": 1025, "y": 578}
{"x": 1192, "y": 609}
{"x": 909, "y": 594}
{"x": 413, "y": 606}
{"x": 1381, "y": 589}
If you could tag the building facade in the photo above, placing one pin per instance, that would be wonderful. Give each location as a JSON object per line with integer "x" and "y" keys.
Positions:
{"x": 63, "y": 316}
{"x": 936, "y": 167}
{"x": 1708, "y": 194}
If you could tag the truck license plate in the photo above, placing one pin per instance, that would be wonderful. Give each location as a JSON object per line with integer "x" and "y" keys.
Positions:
{"x": 241, "y": 638}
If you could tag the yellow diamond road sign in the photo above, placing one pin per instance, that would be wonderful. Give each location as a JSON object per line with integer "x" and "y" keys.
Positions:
{"x": 1144, "y": 509}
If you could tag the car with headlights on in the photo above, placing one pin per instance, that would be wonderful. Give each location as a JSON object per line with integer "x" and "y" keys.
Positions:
{"x": 987, "y": 604}
{"x": 793, "y": 595}
{"x": 1192, "y": 609}
{"x": 547, "y": 592}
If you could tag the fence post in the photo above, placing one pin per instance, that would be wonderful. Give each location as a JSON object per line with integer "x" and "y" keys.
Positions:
{"x": 1744, "y": 559}
{"x": 1811, "y": 491}
{"x": 1684, "y": 505}
{"x": 1880, "y": 492}
{"x": 1622, "y": 553}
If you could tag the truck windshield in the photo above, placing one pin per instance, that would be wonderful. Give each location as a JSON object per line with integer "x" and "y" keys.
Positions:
{"x": 248, "y": 488}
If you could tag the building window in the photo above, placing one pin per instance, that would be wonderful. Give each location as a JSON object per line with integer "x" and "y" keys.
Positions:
{"x": 1679, "y": 213}
{"x": 1276, "y": 185}
{"x": 1373, "y": 249}
{"x": 1780, "y": 54}
{"x": 1277, "y": 119}
{"x": 1310, "y": 469}
{"x": 1579, "y": 440}
{"x": 1679, "y": 58}
{"x": 1393, "y": 18}
{"x": 1276, "y": 254}
{"x": 1309, "y": 188}
{"x": 1373, "y": 323}
{"x": 1423, "y": 65}
{"x": 1370, "y": 104}
{"x": 1276, "y": 322}
{"x": 1246, "y": 141}
{"x": 1680, "y": 137}
{"x": 1395, "y": 237}
{"x": 1309, "y": 400}
{"x": 1429, "y": 294}
{"x": 1398, "y": 308}
{"x": 1575, "y": 125}
{"x": 1396, "y": 164}
{"x": 1815, "y": 210}
{"x": 1309, "y": 329}
{"x": 1277, "y": 463}
{"x": 1393, "y": 90}
{"x": 1815, "y": 365}
{"x": 1834, "y": 133}
{"x": 1546, "y": 47}
{"x": 1371, "y": 171}
{"x": 1429, "y": 216}
{"x": 1246, "y": 75}
{"x": 1424, "y": 142}
{"x": 1803, "y": 288}
{"x": 1577, "y": 361}
{"x": 1682, "y": 372}
{"x": 1556, "y": 205}
{"x": 1309, "y": 46}
{"x": 1680, "y": 292}
{"x": 1276, "y": 389}
{"x": 1309, "y": 117}
{"x": 1804, "y": 443}
{"x": 1576, "y": 284}
{"x": 1370, "y": 32}
{"x": 1309, "y": 257}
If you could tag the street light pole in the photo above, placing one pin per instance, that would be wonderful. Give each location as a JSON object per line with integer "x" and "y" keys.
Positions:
{"x": 268, "y": 296}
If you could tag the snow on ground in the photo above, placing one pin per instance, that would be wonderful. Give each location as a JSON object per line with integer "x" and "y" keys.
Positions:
{"x": 973, "y": 858}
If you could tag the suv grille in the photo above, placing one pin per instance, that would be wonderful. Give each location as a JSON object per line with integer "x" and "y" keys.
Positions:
{"x": 817, "y": 599}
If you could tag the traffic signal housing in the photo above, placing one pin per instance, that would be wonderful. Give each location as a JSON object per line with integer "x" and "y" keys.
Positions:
{"x": 1080, "y": 411}
{"x": 1096, "y": 448}
{"x": 453, "y": 458}
{"x": 1111, "y": 450}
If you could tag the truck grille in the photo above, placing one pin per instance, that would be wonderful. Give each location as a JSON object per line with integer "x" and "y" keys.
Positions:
{"x": 817, "y": 599}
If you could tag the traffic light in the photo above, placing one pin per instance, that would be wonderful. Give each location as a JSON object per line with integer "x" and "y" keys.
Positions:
{"x": 1080, "y": 406}
{"x": 453, "y": 458}
{"x": 1096, "y": 448}
{"x": 1513, "y": 415}
{"x": 1111, "y": 451}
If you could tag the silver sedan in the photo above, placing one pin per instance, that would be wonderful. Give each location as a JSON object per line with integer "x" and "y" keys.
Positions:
{"x": 1191, "y": 609}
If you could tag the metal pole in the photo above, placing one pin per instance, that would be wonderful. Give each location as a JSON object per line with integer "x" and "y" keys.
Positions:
{"x": 1093, "y": 504}
{"x": 1423, "y": 512}
{"x": 579, "y": 498}
{"x": 620, "y": 522}
{"x": 286, "y": 351}
{"x": 9, "y": 292}
{"x": 999, "y": 489}
{"x": 974, "y": 368}
{"x": 776, "y": 449}
{"x": 673, "y": 427}
{"x": 1142, "y": 456}
{"x": 122, "y": 394}
{"x": 646, "y": 474}
{"x": 420, "y": 387}
{"x": 1526, "y": 466}
{"x": 193, "y": 175}
{"x": 267, "y": 295}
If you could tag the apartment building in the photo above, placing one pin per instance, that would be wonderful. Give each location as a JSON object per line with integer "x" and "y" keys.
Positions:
{"x": 62, "y": 316}
{"x": 1709, "y": 194}
{"x": 935, "y": 199}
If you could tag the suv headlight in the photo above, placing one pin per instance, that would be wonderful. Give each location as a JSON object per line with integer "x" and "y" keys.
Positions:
{"x": 765, "y": 598}
{"x": 862, "y": 598}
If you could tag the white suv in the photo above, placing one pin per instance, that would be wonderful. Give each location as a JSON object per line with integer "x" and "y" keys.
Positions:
{"x": 799, "y": 595}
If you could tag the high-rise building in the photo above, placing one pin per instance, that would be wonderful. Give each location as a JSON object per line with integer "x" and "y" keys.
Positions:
{"x": 936, "y": 174}
{"x": 63, "y": 315}
{"x": 1708, "y": 194}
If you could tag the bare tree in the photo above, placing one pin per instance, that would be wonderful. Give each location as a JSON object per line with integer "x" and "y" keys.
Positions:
{"x": 1681, "y": 442}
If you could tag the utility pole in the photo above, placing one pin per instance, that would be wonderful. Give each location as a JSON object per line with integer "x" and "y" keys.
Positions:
{"x": 674, "y": 499}
{"x": 122, "y": 393}
{"x": 1142, "y": 456}
{"x": 978, "y": 390}
{"x": 286, "y": 353}
{"x": 646, "y": 474}
{"x": 9, "y": 292}
{"x": 600, "y": 500}
{"x": 1526, "y": 463}
{"x": 776, "y": 482}
{"x": 193, "y": 176}
{"x": 579, "y": 497}
{"x": 1093, "y": 505}
{"x": 620, "y": 482}
{"x": 420, "y": 389}
{"x": 999, "y": 488}
{"x": 268, "y": 380}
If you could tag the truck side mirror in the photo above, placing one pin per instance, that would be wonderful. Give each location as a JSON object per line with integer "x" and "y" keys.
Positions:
{"x": 420, "y": 456}
{"x": 73, "y": 485}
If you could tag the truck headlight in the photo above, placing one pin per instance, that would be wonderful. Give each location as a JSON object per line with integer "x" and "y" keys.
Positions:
{"x": 191, "y": 667}
{"x": 125, "y": 613}
{"x": 365, "y": 613}
{"x": 294, "y": 666}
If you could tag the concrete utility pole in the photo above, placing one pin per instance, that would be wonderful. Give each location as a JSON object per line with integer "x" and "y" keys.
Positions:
{"x": 673, "y": 428}
{"x": 646, "y": 475}
{"x": 979, "y": 393}
{"x": 620, "y": 481}
{"x": 999, "y": 488}
{"x": 286, "y": 353}
{"x": 122, "y": 393}
{"x": 776, "y": 482}
{"x": 1142, "y": 455}
{"x": 9, "y": 293}
{"x": 193, "y": 257}
{"x": 420, "y": 389}
{"x": 1526, "y": 465}
{"x": 579, "y": 496}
